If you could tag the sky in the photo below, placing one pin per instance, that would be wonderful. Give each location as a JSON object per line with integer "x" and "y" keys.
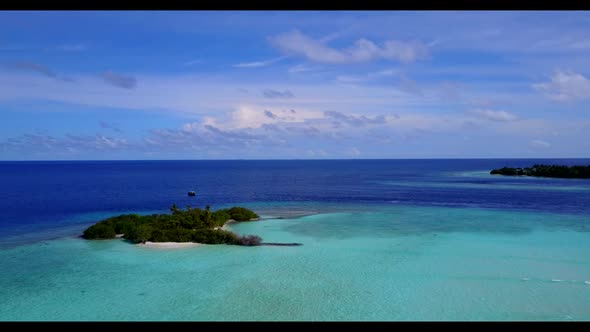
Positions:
{"x": 294, "y": 85}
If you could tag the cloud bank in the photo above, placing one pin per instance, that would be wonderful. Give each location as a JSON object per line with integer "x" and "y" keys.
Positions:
{"x": 363, "y": 50}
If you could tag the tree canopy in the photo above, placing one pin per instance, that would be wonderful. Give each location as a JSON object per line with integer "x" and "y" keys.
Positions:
{"x": 552, "y": 171}
{"x": 189, "y": 225}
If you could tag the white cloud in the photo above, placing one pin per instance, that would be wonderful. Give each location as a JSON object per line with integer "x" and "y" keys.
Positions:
{"x": 200, "y": 94}
{"x": 308, "y": 122}
{"x": 566, "y": 86}
{"x": 259, "y": 130}
{"x": 492, "y": 115}
{"x": 353, "y": 120}
{"x": 256, "y": 64}
{"x": 248, "y": 128}
{"x": 299, "y": 69}
{"x": 409, "y": 86}
{"x": 69, "y": 142}
{"x": 368, "y": 77}
{"x": 539, "y": 144}
{"x": 363, "y": 50}
{"x": 255, "y": 116}
{"x": 350, "y": 79}
{"x": 317, "y": 153}
{"x": 354, "y": 151}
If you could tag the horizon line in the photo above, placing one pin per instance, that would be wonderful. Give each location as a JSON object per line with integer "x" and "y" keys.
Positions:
{"x": 291, "y": 159}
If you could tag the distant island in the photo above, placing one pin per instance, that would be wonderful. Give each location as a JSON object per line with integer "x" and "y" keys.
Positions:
{"x": 551, "y": 171}
{"x": 190, "y": 225}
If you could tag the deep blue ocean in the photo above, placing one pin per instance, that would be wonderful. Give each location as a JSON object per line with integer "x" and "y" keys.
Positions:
{"x": 56, "y": 193}
{"x": 382, "y": 240}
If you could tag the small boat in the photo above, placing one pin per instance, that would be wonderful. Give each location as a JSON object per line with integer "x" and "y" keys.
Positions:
{"x": 192, "y": 193}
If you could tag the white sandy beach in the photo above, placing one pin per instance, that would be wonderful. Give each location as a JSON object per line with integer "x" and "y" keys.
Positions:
{"x": 226, "y": 227}
{"x": 170, "y": 245}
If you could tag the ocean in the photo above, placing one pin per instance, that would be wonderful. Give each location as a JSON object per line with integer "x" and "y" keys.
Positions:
{"x": 383, "y": 240}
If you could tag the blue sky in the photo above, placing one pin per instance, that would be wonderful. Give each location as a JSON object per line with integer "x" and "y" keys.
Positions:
{"x": 304, "y": 85}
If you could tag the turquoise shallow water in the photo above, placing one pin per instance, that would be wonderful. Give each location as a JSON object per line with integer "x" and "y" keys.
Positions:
{"x": 380, "y": 262}
{"x": 382, "y": 240}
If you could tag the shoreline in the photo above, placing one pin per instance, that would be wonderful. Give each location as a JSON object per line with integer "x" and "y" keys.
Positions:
{"x": 170, "y": 245}
{"x": 225, "y": 226}
{"x": 176, "y": 245}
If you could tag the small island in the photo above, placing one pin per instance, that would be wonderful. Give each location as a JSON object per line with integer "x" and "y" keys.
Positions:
{"x": 551, "y": 171}
{"x": 182, "y": 226}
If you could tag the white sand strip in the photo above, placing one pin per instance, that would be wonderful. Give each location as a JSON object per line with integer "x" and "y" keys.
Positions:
{"x": 170, "y": 245}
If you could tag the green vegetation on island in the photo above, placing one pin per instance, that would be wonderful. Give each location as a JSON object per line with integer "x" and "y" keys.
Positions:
{"x": 190, "y": 225}
{"x": 551, "y": 171}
